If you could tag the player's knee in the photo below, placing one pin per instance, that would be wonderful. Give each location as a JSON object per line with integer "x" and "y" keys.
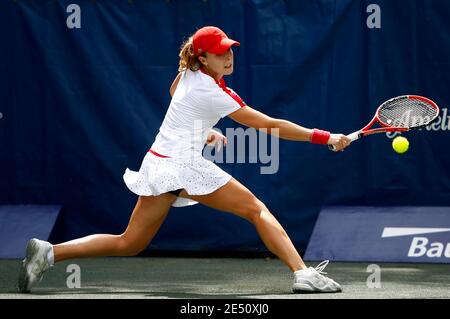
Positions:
{"x": 127, "y": 247}
{"x": 251, "y": 209}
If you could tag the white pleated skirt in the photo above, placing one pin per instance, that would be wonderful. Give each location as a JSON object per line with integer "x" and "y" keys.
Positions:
{"x": 158, "y": 175}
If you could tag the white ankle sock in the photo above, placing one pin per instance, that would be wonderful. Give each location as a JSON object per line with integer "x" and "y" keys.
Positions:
{"x": 302, "y": 271}
{"x": 50, "y": 257}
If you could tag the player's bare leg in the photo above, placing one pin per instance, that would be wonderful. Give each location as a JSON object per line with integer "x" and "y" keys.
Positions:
{"x": 237, "y": 199}
{"x": 148, "y": 215}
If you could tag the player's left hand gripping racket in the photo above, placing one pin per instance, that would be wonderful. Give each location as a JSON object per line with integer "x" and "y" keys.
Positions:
{"x": 400, "y": 114}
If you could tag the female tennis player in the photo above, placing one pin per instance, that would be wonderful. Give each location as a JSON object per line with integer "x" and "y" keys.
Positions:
{"x": 174, "y": 172}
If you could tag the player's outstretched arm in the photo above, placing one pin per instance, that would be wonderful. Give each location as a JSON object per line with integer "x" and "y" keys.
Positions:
{"x": 287, "y": 130}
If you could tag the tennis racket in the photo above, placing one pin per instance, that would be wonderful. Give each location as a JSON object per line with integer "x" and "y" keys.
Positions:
{"x": 399, "y": 114}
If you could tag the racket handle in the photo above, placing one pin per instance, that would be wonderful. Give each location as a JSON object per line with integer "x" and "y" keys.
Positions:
{"x": 353, "y": 137}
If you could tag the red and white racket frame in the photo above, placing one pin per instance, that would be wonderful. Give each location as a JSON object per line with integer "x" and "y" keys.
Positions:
{"x": 385, "y": 128}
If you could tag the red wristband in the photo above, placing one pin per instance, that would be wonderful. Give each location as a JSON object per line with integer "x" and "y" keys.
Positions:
{"x": 320, "y": 137}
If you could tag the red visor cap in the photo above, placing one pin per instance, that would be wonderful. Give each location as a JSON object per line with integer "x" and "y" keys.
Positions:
{"x": 212, "y": 40}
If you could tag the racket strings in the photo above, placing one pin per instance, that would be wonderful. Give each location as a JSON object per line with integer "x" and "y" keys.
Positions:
{"x": 407, "y": 113}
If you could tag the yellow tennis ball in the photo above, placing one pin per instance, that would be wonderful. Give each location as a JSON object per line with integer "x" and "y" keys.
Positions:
{"x": 400, "y": 144}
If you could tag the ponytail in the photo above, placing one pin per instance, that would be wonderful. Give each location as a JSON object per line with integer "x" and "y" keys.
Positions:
{"x": 187, "y": 58}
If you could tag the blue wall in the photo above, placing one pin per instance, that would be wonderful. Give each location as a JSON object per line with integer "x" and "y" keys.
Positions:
{"x": 81, "y": 105}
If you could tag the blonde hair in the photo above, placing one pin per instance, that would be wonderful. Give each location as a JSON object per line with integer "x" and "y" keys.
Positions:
{"x": 188, "y": 60}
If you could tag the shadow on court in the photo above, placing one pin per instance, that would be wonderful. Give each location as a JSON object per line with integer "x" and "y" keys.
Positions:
{"x": 206, "y": 278}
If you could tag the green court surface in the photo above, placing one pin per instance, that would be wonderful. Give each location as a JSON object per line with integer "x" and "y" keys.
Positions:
{"x": 206, "y": 278}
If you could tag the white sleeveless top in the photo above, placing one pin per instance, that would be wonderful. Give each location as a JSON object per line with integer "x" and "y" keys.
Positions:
{"x": 198, "y": 103}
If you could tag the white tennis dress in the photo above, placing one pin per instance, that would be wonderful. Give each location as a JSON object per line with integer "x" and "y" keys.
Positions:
{"x": 175, "y": 159}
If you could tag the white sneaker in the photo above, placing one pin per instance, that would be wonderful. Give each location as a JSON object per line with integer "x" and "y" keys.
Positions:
{"x": 34, "y": 265}
{"x": 311, "y": 280}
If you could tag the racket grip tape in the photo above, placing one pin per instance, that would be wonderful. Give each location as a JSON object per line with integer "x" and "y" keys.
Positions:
{"x": 354, "y": 136}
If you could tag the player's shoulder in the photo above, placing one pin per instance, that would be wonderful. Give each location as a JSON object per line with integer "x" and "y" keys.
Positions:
{"x": 201, "y": 82}
{"x": 198, "y": 76}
